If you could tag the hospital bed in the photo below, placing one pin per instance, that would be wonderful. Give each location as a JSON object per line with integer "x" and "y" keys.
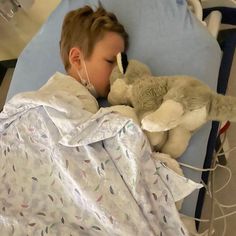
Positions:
{"x": 164, "y": 34}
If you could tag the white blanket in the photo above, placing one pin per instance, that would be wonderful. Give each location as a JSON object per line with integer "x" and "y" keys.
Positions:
{"x": 66, "y": 171}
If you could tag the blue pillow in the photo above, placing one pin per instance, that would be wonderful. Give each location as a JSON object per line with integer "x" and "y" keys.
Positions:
{"x": 163, "y": 34}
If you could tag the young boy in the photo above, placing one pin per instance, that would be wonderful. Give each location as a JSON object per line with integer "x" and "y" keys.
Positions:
{"x": 90, "y": 41}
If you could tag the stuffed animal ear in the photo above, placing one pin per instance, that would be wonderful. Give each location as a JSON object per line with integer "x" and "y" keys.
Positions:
{"x": 122, "y": 62}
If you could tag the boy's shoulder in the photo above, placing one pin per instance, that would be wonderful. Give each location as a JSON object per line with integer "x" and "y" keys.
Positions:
{"x": 60, "y": 83}
{"x": 63, "y": 82}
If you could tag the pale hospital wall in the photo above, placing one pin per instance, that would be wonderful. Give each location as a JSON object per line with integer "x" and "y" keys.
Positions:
{"x": 15, "y": 34}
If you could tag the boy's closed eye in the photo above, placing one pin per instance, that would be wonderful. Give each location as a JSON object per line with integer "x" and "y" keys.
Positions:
{"x": 111, "y": 61}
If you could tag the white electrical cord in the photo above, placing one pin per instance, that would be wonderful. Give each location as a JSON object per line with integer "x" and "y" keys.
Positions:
{"x": 196, "y": 7}
{"x": 212, "y": 21}
{"x": 208, "y": 220}
{"x": 211, "y": 193}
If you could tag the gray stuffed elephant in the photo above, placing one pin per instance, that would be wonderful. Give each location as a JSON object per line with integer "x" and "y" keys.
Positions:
{"x": 169, "y": 108}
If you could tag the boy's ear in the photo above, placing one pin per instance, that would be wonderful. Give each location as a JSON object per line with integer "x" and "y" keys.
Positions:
{"x": 75, "y": 55}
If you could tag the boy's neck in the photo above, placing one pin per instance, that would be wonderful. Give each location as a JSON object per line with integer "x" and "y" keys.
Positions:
{"x": 73, "y": 74}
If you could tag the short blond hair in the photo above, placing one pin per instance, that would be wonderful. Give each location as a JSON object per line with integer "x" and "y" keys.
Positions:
{"x": 84, "y": 27}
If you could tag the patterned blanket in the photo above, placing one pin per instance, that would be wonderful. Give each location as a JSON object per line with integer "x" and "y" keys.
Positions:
{"x": 66, "y": 171}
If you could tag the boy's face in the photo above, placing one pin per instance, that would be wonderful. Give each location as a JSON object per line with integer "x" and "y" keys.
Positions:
{"x": 102, "y": 61}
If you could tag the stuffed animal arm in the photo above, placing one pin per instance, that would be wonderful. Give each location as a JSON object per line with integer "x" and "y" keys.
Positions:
{"x": 169, "y": 108}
